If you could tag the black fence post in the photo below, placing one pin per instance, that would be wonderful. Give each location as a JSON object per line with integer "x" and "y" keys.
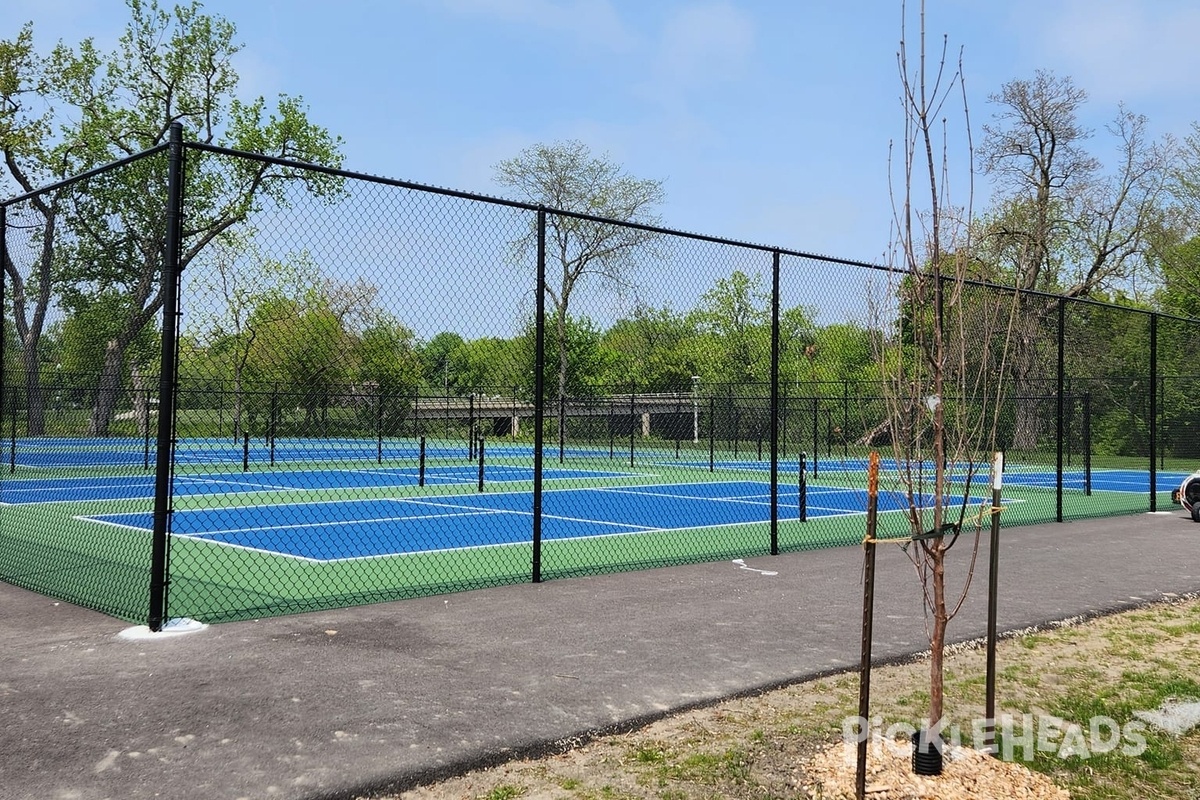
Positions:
{"x": 775, "y": 403}
{"x": 1153, "y": 414}
{"x": 539, "y": 391}
{"x": 1087, "y": 443}
{"x": 3, "y": 306}
{"x": 168, "y": 383}
{"x": 1058, "y": 417}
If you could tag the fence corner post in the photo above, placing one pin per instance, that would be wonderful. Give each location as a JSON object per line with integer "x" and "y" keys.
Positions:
{"x": 159, "y": 577}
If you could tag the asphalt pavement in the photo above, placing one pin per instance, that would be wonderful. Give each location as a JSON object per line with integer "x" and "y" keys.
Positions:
{"x": 355, "y": 701}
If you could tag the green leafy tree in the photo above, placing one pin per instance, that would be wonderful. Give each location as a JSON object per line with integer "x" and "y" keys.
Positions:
{"x": 85, "y": 337}
{"x": 1179, "y": 267}
{"x": 733, "y": 321}
{"x": 26, "y": 126}
{"x": 650, "y": 348}
{"x": 1061, "y": 222}
{"x": 440, "y": 358}
{"x": 585, "y": 354}
{"x": 491, "y": 364}
{"x": 169, "y": 66}
{"x": 566, "y": 176}
{"x": 301, "y": 354}
{"x": 232, "y": 279}
{"x": 389, "y": 370}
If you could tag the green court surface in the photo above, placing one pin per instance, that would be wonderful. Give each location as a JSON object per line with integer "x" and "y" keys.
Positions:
{"x": 320, "y": 532}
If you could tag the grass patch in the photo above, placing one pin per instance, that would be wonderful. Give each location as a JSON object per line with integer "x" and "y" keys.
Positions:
{"x": 756, "y": 748}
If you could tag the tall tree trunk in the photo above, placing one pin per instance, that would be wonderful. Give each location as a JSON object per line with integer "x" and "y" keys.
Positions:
{"x": 109, "y": 386}
{"x": 35, "y": 397}
{"x": 1027, "y": 388}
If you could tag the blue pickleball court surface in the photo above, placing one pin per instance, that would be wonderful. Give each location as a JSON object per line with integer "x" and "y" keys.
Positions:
{"x": 351, "y": 529}
{"x": 1103, "y": 480}
{"x": 128, "y": 452}
{"x": 16, "y": 491}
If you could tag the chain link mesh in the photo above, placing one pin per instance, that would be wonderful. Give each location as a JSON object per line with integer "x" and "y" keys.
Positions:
{"x": 357, "y": 394}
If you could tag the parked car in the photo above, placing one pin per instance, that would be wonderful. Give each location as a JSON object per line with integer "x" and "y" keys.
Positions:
{"x": 1188, "y": 495}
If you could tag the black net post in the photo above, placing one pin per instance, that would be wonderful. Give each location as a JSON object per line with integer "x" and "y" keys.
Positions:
{"x": 802, "y": 494}
{"x": 471, "y": 427}
{"x": 421, "y": 464}
{"x": 481, "y": 463}
{"x": 168, "y": 383}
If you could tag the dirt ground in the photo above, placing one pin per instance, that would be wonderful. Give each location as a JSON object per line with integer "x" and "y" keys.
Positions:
{"x": 788, "y": 743}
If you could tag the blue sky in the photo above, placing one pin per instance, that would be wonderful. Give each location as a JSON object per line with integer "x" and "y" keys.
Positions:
{"x": 768, "y": 121}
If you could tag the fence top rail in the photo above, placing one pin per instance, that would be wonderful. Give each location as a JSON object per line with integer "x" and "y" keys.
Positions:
{"x": 520, "y": 204}
{"x": 532, "y": 207}
{"x": 82, "y": 176}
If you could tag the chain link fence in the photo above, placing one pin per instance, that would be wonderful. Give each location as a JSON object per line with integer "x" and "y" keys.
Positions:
{"x": 337, "y": 389}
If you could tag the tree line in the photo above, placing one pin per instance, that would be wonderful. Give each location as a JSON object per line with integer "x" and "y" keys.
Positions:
{"x": 1060, "y": 222}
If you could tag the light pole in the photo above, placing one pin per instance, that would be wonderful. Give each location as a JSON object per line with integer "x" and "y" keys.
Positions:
{"x": 695, "y": 410}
